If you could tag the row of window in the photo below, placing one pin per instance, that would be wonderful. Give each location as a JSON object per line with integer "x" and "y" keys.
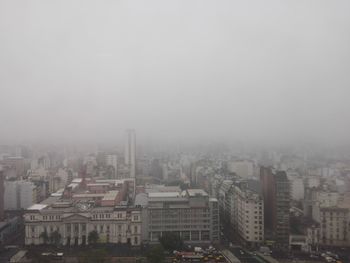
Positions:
{"x": 94, "y": 216}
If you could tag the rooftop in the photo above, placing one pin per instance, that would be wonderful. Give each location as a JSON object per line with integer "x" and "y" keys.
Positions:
{"x": 111, "y": 195}
{"x": 164, "y": 194}
{"x": 37, "y": 207}
{"x": 196, "y": 192}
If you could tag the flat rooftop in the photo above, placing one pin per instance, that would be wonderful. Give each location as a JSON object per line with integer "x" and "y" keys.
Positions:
{"x": 37, "y": 207}
{"x": 111, "y": 195}
{"x": 163, "y": 194}
{"x": 196, "y": 192}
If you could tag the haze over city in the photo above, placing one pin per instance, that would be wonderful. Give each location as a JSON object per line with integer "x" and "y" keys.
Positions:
{"x": 261, "y": 71}
{"x": 180, "y": 131}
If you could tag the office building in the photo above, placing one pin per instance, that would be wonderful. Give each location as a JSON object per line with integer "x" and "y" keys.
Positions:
{"x": 130, "y": 152}
{"x": 2, "y": 193}
{"x": 276, "y": 195}
{"x": 191, "y": 214}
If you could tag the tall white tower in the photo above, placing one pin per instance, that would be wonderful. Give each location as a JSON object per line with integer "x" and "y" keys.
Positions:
{"x": 130, "y": 152}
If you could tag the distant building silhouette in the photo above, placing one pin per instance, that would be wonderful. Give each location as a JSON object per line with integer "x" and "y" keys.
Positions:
{"x": 130, "y": 152}
{"x": 2, "y": 191}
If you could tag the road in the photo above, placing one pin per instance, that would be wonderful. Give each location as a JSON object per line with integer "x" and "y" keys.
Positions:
{"x": 6, "y": 255}
{"x": 246, "y": 257}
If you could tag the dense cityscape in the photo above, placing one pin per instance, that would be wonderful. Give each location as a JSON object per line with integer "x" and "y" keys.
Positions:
{"x": 155, "y": 131}
{"x": 247, "y": 205}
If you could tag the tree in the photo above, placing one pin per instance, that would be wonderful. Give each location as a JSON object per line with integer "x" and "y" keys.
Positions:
{"x": 55, "y": 238}
{"x": 171, "y": 241}
{"x": 45, "y": 237}
{"x": 93, "y": 237}
{"x": 156, "y": 254}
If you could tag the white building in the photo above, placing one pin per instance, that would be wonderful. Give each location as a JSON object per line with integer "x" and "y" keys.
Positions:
{"x": 74, "y": 223}
{"x": 112, "y": 160}
{"x": 130, "y": 152}
{"x": 19, "y": 194}
{"x": 248, "y": 215}
{"x": 297, "y": 188}
{"x": 243, "y": 168}
{"x": 242, "y": 210}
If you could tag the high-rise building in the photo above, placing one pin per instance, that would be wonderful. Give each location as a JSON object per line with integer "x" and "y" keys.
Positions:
{"x": 19, "y": 195}
{"x": 276, "y": 194}
{"x": 130, "y": 152}
{"x": 2, "y": 190}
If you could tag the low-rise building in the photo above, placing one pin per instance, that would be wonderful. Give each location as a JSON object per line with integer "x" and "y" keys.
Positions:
{"x": 75, "y": 221}
{"x": 101, "y": 207}
{"x": 191, "y": 214}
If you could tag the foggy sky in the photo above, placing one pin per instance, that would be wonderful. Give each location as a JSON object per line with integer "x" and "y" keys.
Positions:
{"x": 175, "y": 70}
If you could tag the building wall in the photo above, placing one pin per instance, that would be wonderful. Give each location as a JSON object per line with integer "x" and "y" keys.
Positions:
{"x": 130, "y": 152}
{"x": 276, "y": 193}
{"x": 112, "y": 160}
{"x": 2, "y": 194}
{"x": 282, "y": 228}
{"x": 335, "y": 227}
{"x": 243, "y": 168}
{"x": 122, "y": 226}
{"x": 19, "y": 195}
{"x": 195, "y": 220}
{"x": 10, "y": 197}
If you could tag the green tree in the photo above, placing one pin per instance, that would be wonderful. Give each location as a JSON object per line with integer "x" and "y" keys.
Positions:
{"x": 93, "y": 237}
{"x": 55, "y": 238}
{"x": 45, "y": 237}
{"x": 156, "y": 254}
{"x": 171, "y": 241}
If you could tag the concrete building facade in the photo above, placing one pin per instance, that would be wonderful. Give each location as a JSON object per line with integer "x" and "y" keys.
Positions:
{"x": 74, "y": 223}
{"x": 191, "y": 214}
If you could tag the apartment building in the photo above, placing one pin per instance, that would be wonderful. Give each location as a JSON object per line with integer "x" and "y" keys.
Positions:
{"x": 248, "y": 215}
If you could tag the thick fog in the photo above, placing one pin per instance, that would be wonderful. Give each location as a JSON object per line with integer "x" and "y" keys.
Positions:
{"x": 175, "y": 70}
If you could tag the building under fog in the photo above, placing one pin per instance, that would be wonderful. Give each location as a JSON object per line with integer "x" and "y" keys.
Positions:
{"x": 130, "y": 152}
{"x": 191, "y": 214}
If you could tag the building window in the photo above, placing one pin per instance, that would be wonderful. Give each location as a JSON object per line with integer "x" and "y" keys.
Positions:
{"x": 195, "y": 235}
{"x": 205, "y": 235}
{"x": 186, "y": 235}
